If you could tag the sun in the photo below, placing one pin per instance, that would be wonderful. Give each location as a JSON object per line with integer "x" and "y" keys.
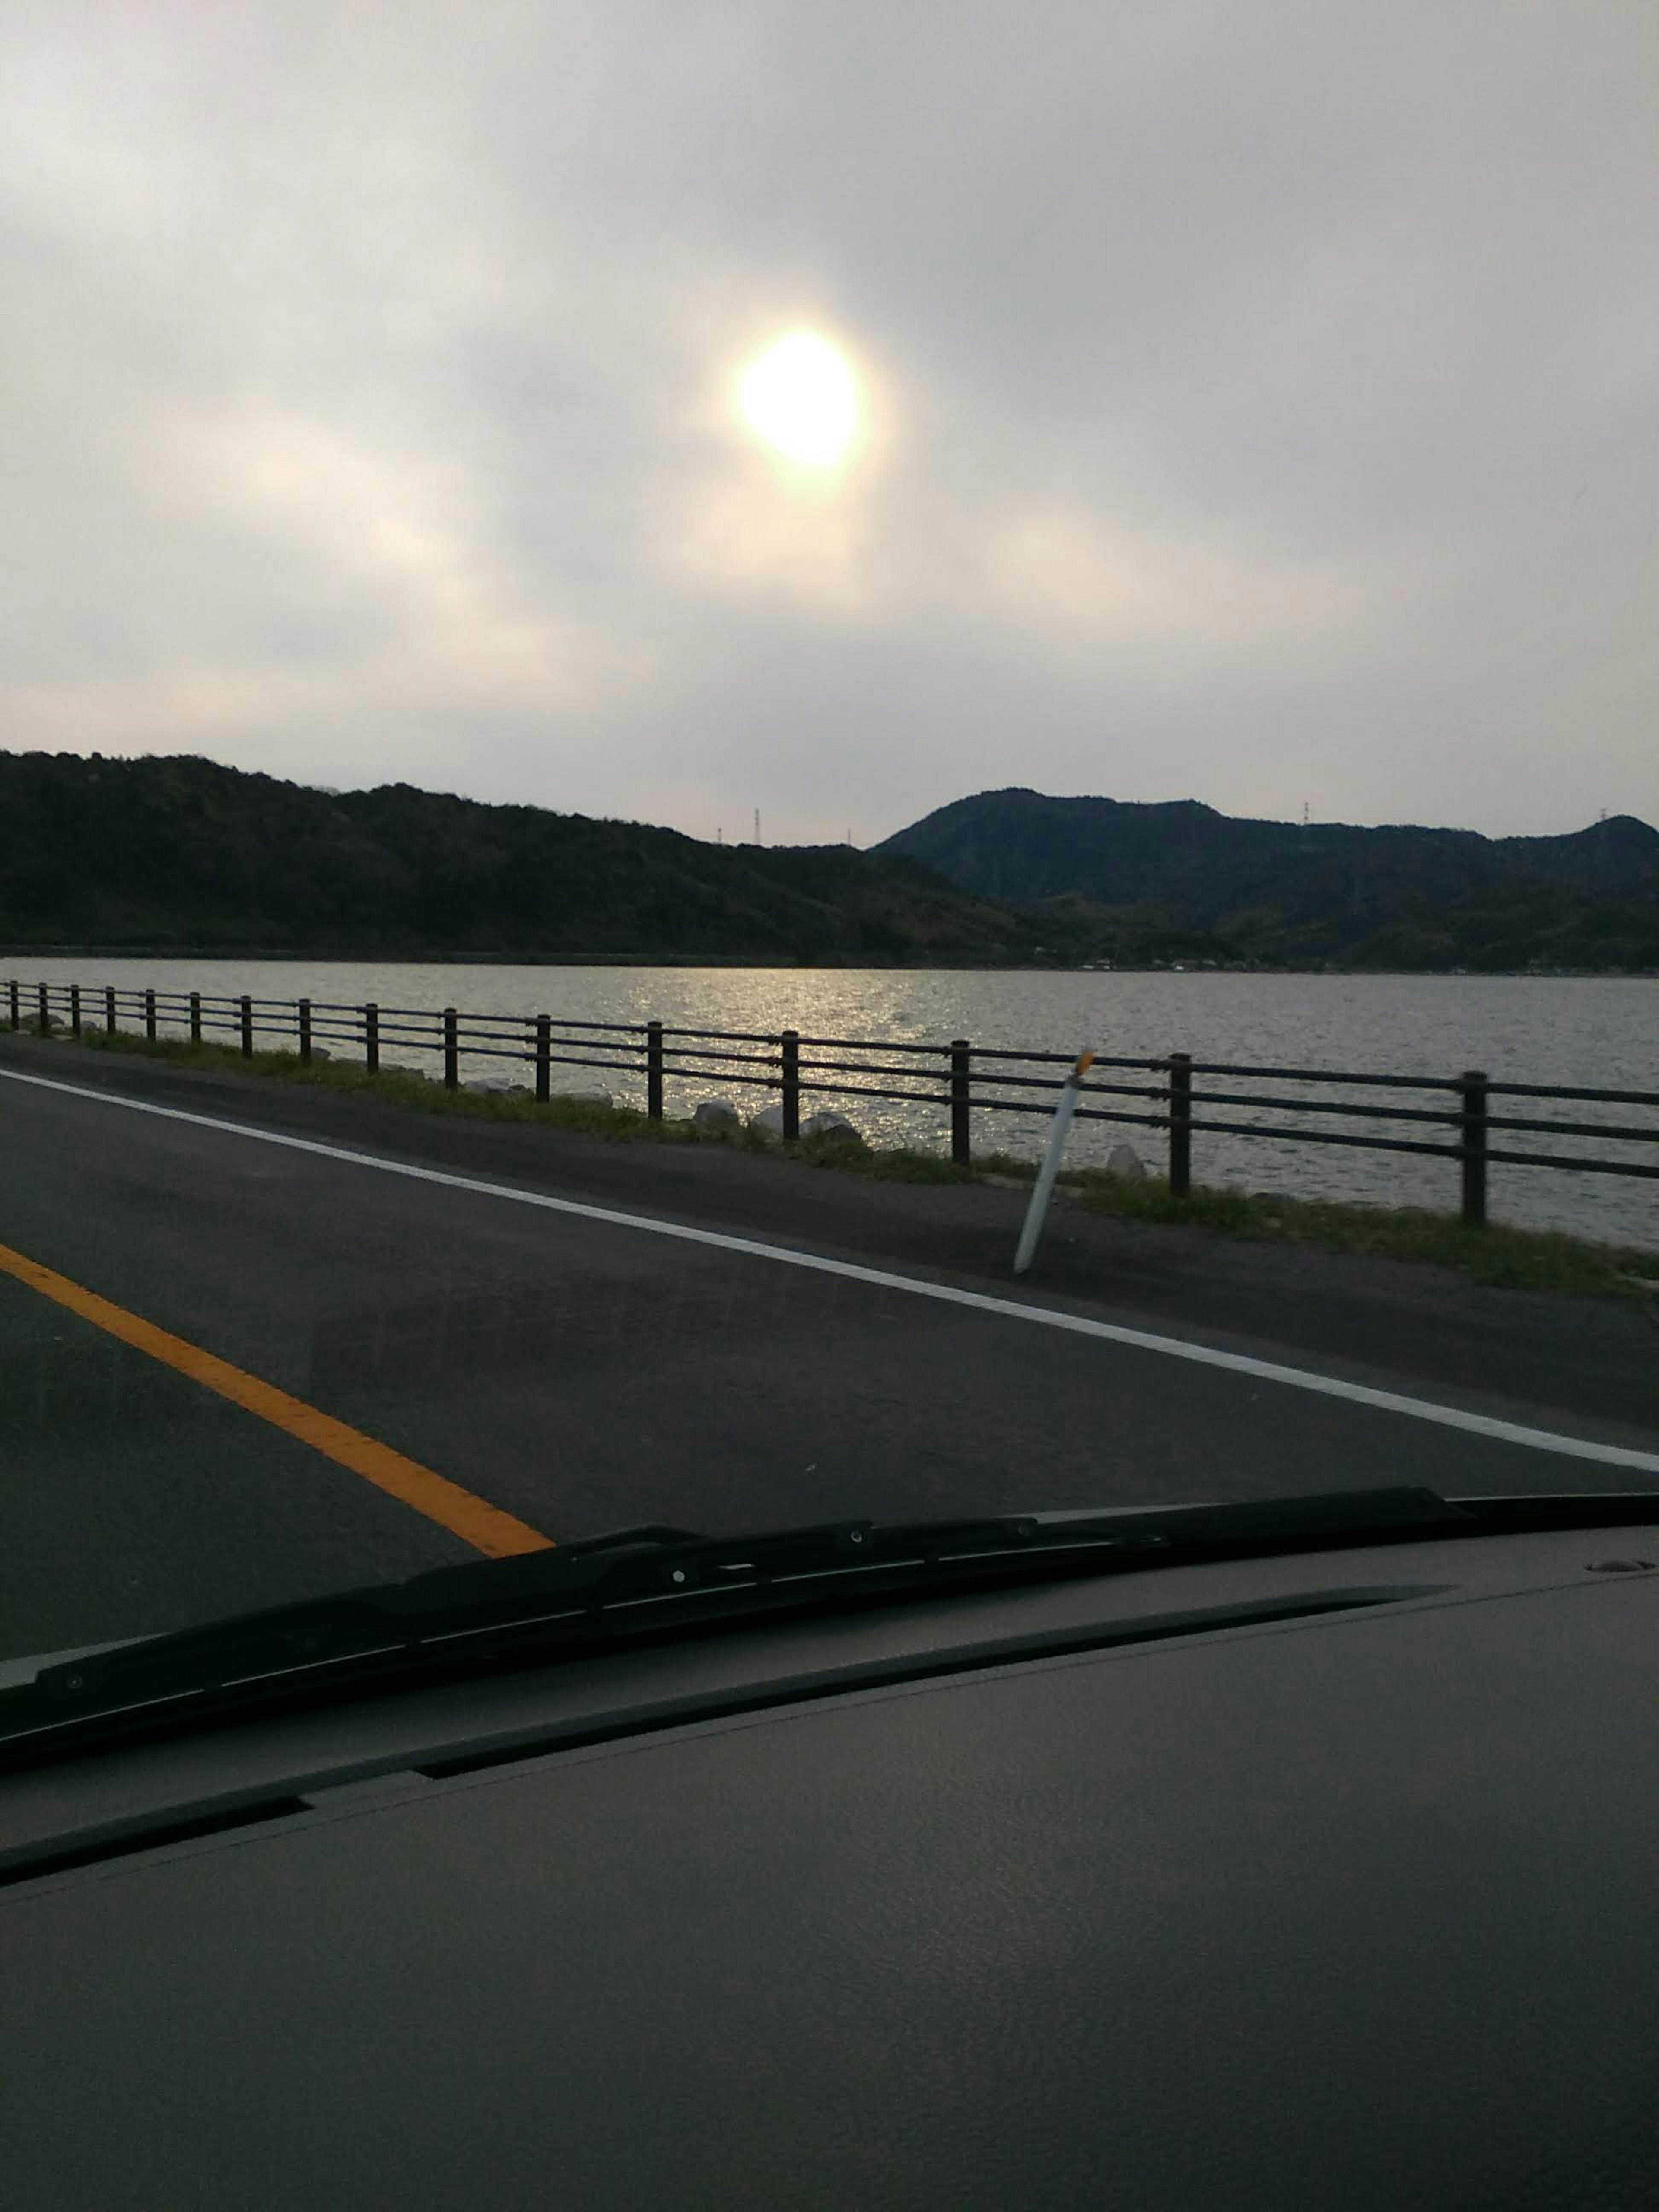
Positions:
{"x": 801, "y": 398}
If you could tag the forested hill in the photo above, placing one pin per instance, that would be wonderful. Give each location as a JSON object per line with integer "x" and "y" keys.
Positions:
{"x": 1181, "y": 880}
{"x": 180, "y": 852}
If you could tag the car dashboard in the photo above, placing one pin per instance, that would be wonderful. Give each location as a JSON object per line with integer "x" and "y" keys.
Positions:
{"x": 1306, "y": 1881}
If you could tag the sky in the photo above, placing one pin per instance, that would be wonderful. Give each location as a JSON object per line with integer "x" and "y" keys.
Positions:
{"x": 1255, "y": 401}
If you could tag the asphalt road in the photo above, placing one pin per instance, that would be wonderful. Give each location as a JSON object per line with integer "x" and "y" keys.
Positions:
{"x": 582, "y": 1373}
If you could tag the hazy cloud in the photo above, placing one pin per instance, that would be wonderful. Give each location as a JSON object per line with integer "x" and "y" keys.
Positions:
{"x": 1259, "y": 401}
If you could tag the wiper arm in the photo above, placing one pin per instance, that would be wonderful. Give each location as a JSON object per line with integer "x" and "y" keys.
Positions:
{"x": 647, "y": 1580}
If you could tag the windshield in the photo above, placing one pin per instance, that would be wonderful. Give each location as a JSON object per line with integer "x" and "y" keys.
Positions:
{"x": 776, "y": 764}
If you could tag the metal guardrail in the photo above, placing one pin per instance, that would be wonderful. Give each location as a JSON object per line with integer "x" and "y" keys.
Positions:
{"x": 1173, "y": 1094}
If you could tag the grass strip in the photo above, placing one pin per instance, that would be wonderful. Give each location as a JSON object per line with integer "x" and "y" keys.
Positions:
{"x": 1505, "y": 1257}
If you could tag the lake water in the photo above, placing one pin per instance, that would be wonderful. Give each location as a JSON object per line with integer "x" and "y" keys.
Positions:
{"x": 1598, "y": 1032}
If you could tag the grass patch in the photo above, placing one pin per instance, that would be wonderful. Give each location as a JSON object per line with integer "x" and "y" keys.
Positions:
{"x": 901, "y": 1164}
{"x": 424, "y": 1095}
{"x": 1011, "y": 1166}
{"x": 1506, "y": 1258}
{"x": 396, "y": 1087}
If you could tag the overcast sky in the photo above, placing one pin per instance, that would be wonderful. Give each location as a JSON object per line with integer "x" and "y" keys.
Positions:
{"x": 1257, "y": 401}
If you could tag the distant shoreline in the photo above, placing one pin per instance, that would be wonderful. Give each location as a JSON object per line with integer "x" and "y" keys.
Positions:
{"x": 291, "y": 955}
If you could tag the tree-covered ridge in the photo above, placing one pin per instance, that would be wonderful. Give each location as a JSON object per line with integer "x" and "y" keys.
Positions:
{"x": 1182, "y": 881}
{"x": 179, "y": 851}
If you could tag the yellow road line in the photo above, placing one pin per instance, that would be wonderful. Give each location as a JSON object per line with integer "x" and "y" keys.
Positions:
{"x": 475, "y": 1522}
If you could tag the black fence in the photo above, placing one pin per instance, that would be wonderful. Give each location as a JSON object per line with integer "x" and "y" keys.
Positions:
{"x": 1464, "y": 1118}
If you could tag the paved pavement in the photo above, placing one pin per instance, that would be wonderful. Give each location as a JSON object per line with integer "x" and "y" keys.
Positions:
{"x": 581, "y": 1373}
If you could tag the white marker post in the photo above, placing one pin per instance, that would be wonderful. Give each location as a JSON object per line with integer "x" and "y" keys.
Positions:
{"x": 1036, "y": 1211}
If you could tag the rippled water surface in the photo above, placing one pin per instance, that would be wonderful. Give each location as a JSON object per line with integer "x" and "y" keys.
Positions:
{"x": 1602, "y": 1033}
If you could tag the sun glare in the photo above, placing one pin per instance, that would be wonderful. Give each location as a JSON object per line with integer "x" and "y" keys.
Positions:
{"x": 800, "y": 397}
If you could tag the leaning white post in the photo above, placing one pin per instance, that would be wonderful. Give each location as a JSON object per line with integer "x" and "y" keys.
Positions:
{"x": 1065, "y": 1107}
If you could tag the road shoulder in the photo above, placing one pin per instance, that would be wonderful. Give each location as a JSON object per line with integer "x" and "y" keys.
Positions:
{"x": 1586, "y": 1361}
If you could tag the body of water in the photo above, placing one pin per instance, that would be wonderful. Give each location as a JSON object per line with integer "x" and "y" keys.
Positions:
{"x": 1596, "y": 1032}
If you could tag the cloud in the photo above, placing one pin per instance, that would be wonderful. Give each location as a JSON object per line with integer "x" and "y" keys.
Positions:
{"x": 1258, "y": 402}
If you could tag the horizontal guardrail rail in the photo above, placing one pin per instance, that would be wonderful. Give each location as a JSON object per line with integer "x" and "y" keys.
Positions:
{"x": 1458, "y": 1120}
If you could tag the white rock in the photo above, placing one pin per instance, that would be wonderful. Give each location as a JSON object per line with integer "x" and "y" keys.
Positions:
{"x": 321, "y": 1052}
{"x": 716, "y": 1117}
{"x": 595, "y": 1097}
{"x": 494, "y": 1087}
{"x": 1124, "y": 1160}
{"x": 769, "y": 1123}
{"x": 835, "y": 1126}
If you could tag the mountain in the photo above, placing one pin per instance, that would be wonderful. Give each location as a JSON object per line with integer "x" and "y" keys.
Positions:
{"x": 178, "y": 852}
{"x": 1181, "y": 881}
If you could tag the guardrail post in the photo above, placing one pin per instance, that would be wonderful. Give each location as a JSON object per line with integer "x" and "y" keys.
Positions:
{"x": 791, "y": 1042}
{"x": 305, "y": 1032}
{"x": 46, "y": 1012}
{"x": 451, "y": 1050}
{"x": 247, "y": 1028}
{"x": 962, "y": 1065}
{"x": 654, "y": 1070}
{"x": 1180, "y": 1124}
{"x": 196, "y": 1017}
{"x": 74, "y": 1012}
{"x": 1472, "y": 1147}
{"x": 372, "y": 1037}
{"x": 109, "y": 1010}
{"x": 16, "y": 1020}
{"x": 543, "y": 1062}
{"x": 150, "y": 1016}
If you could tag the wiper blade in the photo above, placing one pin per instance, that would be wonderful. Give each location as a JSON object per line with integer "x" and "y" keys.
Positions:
{"x": 641, "y": 1580}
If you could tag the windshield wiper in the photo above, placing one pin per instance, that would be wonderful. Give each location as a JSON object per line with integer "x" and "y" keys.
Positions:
{"x": 648, "y": 1581}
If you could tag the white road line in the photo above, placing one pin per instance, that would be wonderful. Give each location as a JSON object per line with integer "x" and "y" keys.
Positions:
{"x": 1138, "y": 1339}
